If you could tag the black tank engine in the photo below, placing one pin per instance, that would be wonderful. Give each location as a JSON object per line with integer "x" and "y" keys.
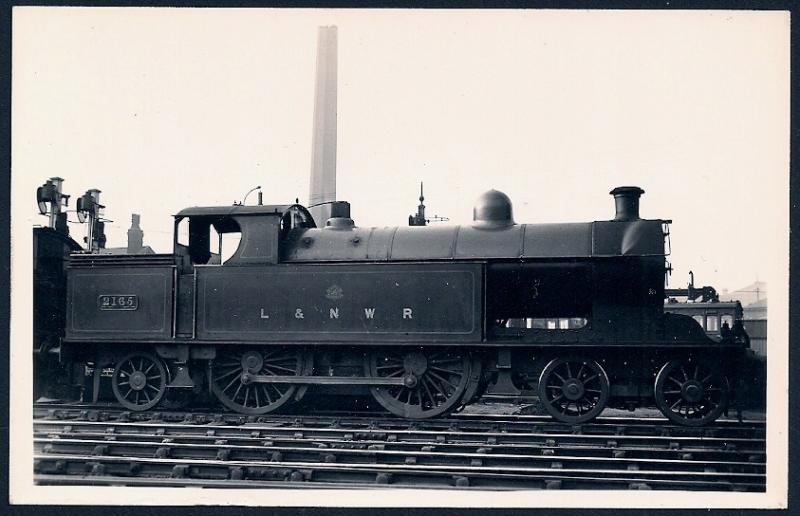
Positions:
{"x": 423, "y": 319}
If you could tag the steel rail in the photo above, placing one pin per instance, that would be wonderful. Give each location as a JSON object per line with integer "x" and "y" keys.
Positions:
{"x": 456, "y": 417}
{"x": 650, "y": 429}
{"x": 611, "y": 448}
{"x": 408, "y": 434}
{"x": 551, "y": 482}
{"x": 97, "y": 480}
{"x": 131, "y": 448}
{"x": 300, "y": 471}
{"x": 552, "y": 448}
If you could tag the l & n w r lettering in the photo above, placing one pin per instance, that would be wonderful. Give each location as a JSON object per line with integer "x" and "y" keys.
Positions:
{"x": 333, "y": 313}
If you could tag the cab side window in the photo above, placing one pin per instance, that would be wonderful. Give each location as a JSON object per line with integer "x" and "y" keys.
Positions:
{"x": 207, "y": 240}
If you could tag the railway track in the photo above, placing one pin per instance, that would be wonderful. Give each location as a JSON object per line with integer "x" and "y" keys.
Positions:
{"x": 101, "y": 445}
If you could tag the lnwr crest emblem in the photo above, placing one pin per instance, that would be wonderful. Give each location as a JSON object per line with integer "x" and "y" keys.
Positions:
{"x": 334, "y": 292}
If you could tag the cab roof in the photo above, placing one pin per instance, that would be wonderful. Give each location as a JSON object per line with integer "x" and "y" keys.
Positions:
{"x": 236, "y": 210}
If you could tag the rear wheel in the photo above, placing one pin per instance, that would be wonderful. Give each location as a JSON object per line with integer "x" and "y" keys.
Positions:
{"x": 139, "y": 381}
{"x": 573, "y": 389}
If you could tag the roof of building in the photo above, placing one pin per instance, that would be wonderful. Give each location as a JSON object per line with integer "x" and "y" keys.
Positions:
{"x": 124, "y": 250}
{"x": 752, "y": 293}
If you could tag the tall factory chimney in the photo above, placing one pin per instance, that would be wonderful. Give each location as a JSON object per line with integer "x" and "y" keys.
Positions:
{"x": 135, "y": 236}
{"x": 322, "y": 187}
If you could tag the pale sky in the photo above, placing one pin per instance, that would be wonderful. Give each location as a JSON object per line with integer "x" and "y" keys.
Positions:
{"x": 167, "y": 108}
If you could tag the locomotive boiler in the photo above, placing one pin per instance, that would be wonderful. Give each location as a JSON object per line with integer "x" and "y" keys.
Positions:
{"x": 422, "y": 319}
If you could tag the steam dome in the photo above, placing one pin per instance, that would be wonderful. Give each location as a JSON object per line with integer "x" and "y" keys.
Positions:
{"x": 493, "y": 209}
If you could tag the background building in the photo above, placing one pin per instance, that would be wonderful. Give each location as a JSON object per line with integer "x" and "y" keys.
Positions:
{"x": 754, "y": 303}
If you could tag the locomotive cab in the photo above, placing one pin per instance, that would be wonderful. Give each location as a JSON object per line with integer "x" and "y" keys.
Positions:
{"x": 245, "y": 235}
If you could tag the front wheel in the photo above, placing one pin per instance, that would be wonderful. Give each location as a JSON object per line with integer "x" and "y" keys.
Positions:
{"x": 690, "y": 392}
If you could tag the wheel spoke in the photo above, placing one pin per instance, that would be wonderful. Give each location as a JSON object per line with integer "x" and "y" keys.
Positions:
{"x": 266, "y": 393}
{"x": 435, "y": 386}
{"x": 454, "y": 360}
{"x": 448, "y": 371}
{"x": 281, "y": 358}
{"x": 235, "y": 378}
{"x": 428, "y": 390}
{"x": 238, "y": 389}
{"x": 390, "y": 366}
{"x": 680, "y": 384}
{"x": 281, "y": 368}
{"x": 225, "y": 375}
{"x": 442, "y": 379}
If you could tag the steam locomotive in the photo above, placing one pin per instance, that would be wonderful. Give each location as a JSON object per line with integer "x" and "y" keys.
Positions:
{"x": 423, "y": 319}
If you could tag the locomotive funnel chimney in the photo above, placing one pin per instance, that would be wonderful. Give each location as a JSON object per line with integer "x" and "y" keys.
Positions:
{"x": 340, "y": 216}
{"x": 626, "y": 199}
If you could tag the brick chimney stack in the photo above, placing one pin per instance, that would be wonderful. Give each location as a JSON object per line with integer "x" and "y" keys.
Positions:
{"x": 135, "y": 236}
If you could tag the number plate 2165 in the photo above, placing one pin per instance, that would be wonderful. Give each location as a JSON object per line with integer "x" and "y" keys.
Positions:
{"x": 118, "y": 302}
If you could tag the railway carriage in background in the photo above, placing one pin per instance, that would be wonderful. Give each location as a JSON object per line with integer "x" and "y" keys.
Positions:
{"x": 423, "y": 319}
